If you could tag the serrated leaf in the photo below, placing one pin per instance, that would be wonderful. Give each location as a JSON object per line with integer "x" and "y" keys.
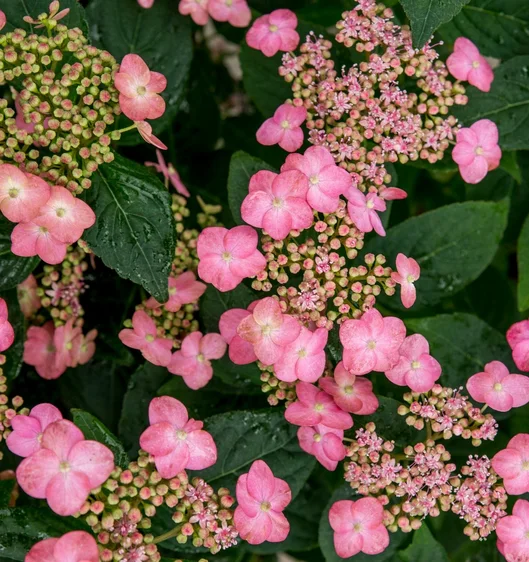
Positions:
{"x": 95, "y": 430}
{"x": 14, "y": 354}
{"x": 523, "y": 267}
{"x": 134, "y": 231}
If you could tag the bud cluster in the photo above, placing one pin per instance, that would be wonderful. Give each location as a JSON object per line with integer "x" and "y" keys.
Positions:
{"x": 8, "y": 408}
{"x": 277, "y": 390}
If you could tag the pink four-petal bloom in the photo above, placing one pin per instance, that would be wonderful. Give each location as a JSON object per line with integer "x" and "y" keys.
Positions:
{"x": 40, "y": 351}
{"x": 277, "y": 203}
{"x": 226, "y": 257}
{"x": 363, "y": 210}
{"x": 261, "y": 499}
{"x": 7, "y": 334}
{"x": 274, "y": 32}
{"x": 477, "y": 151}
{"x": 326, "y": 180}
{"x": 513, "y": 532}
{"x": 176, "y": 442}
{"x": 408, "y": 271}
{"x": 284, "y": 128}
{"x": 325, "y": 443}
{"x": 518, "y": 340}
{"x": 372, "y": 342}
{"x": 466, "y": 63}
{"x": 197, "y": 9}
{"x": 235, "y": 12}
{"x": 240, "y": 351}
{"x": 76, "y": 546}
{"x": 498, "y": 388}
{"x": 193, "y": 360}
{"x": 27, "y": 296}
{"x": 183, "y": 289}
{"x": 512, "y": 464}
{"x": 29, "y": 239}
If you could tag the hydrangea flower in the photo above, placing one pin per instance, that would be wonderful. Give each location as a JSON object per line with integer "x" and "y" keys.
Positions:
{"x": 197, "y": 9}
{"x": 284, "y": 128}
{"x": 513, "y": 532}
{"x": 274, "y": 32}
{"x": 183, "y": 289}
{"x": 408, "y": 271}
{"x": 512, "y": 464}
{"x": 466, "y": 63}
{"x": 30, "y": 239}
{"x": 518, "y": 340}
{"x": 324, "y": 443}
{"x": 235, "y": 12}
{"x": 240, "y": 351}
{"x": 363, "y": 210}
{"x": 7, "y": 333}
{"x": 76, "y": 546}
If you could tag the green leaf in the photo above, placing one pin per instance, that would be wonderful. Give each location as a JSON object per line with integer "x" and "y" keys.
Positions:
{"x": 6, "y": 489}
{"x": 497, "y": 27}
{"x": 424, "y": 547}
{"x": 427, "y": 15}
{"x": 242, "y": 168}
{"x": 326, "y": 535}
{"x": 462, "y": 343}
{"x": 14, "y": 354}
{"x": 15, "y": 10}
{"x": 21, "y": 528}
{"x": 95, "y": 430}
{"x": 134, "y": 232}
{"x": 506, "y": 104}
{"x": 453, "y": 245}
{"x": 244, "y": 437}
{"x": 160, "y": 35}
{"x": 523, "y": 267}
{"x": 509, "y": 163}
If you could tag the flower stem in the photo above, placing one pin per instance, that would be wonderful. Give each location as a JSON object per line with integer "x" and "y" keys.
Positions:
{"x": 169, "y": 535}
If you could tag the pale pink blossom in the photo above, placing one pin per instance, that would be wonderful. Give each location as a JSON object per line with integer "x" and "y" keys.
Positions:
{"x": 466, "y": 63}
{"x": 64, "y": 340}
{"x": 193, "y": 360}
{"x": 277, "y": 203}
{"x": 197, "y": 9}
{"x": 235, "y": 12}
{"x": 139, "y": 89}
{"x": 261, "y": 499}
{"x": 7, "y": 334}
{"x": 304, "y": 359}
{"x": 372, "y": 342}
{"x": 358, "y": 527}
{"x": 326, "y": 180}
{"x": 518, "y": 340}
{"x": 183, "y": 289}
{"x": 25, "y": 439}
{"x": 169, "y": 172}
{"x": 416, "y": 368}
{"x": 145, "y": 130}
{"x": 284, "y": 128}
{"x": 513, "y": 532}
{"x": 76, "y": 546}
{"x": 175, "y": 441}
{"x": 226, "y": 257}
{"x": 21, "y": 195}
{"x": 324, "y": 443}
{"x": 350, "y": 393}
{"x": 240, "y": 351}
{"x": 314, "y": 406}
{"x": 83, "y": 348}
{"x": 512, "y": 464}
{"x": 497, "y": 388}
{"x": 65, "y": 469}
{"x": 41, "y": 353}
{"x": 144, "y": 336}
{"x": 274, "y": 32}
{"x": 146, "y": 3}
{"x": 408, "y": 271}
{"x": 29, "y": 239}
{"x": 363, "y": 210}
{"x": 269, "y": 330}
{"x": 477, "y": 151}
{"x": 3, "y": 20}
{"x": 54, "y": 14}
{"x": 27, "y": 296}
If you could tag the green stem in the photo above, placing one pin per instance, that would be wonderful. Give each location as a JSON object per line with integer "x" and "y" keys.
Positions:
{"x": 169, "y": 535}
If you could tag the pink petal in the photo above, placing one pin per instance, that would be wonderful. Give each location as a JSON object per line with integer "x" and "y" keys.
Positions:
{"x": 241, "y": 352}
{"x": 60, "y": 437}
{"x": 459, "y": 65}
{"x": 348, "y": 544}
{"x": 35, "y": 472}
{"x": 42, "y": 551}
{"x": 375, "y": 540}
{"x": 261, "y": 481}
{"x": 249, "y": 266}
{"x": 202, "y": 450}
{"x": 511, "y": 529}
{"x": 158, "y": 352}
{"x": 229, "y": 322}
{"x": 486, "y": 132}
{"x": 287, "y": 332}
{"x": 521, "y": 510}
{"x": 499, "y": 400}
{"x": 200, "y": 377}
{"x": 213, "y": 346}
{"x": 270, "y": 44}
{"x": 254, "y": 530}
{"x": 23, "y": 440}
{"x": 94, "y": 460}
{"x": 520, "y": 355}
{"x": 159, "y": 439}
{"x": 241, "y": 241}
{"x": 249, "y": 504}
{"x": 76, "y": 546}
{"x": 7, "y": 335}
{"x": 507, "y": 463}
{"x": 280, "y": 527}
{"x": 475, "y": 171}
{"x": 168, "y": 409}
{"x": 67, "y": 492}
{"x": 176, "y": 461}
{"x": 215, "y": 270}
{"x": 518, "y": 387}
{"x": 291, "y": 140}
{"x": 270, "y": 133}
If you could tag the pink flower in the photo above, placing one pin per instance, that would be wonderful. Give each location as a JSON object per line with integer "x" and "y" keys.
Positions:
{"x": 197, "y": 9}
{"x": 358, "y": 527}
{"x": 314, "y": 407}
{"x": 518, "y": 340}
{"x": 274, "y": 32}
{"x": 512, "y": 464}
{"x": 139, "y": 89}
{"x": 21, "y": 195}
{"x": 324, "y": 443}
{"x": 261, "y": 499}
{"x": 145, "y": 131}
{"x": 29, "y": 239}
{"x": 408, "y": 271}
{"x": 27, "y": 296}
{"x": 193, "y": 360}
{"x": 499, "y": 389}
{"x": 40, "y": 351}
{"x": 327, "y": 181}
{"x": 64, "y": 340}
{"x": 143, "y": 336}
{"x": 168, "y": 171}
{"x": 277, "y": 203}
{"x": 25, "y": 439}
{"x": 236, "y": 12}
{"x": 7, "y": 334}
{"x": 363, "y": 210}
{"x": 513, "y": 532}
{"x": 240, "y": 351}
{"x": 466, "y": 63}
{"x": 228, "y": 256}
{"x": 269, "y": 330}
{"x": 304, "y": 359}
{"x": 372, "y": 342}
{"x": 174, "y": 440}
{"x": 146, "y": 3}
{"x": 3, "y": 20}
{"x": 283, "y": 128}
{"x": 65, "y": 469}
{"x": 351, "y": 393}
{"x": 83, "y": 348}
{"x": 477, "y": 151}
{"x": 183, "y": 289}
{"x": 416, "y": 368}
{"x": 76, "y": 546}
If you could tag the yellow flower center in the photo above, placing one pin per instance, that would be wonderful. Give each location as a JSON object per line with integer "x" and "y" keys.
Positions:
{"x": 479, "y": 151}
{"x": 277, "y": 202}
{"x": 13, "y": 192}
{"x": 285, "y": 124}
{"x": 525, "y": 465}
{"x": 64, "y": 467}
{"x": 272, "y": 28}
{"x": 302, "y": 352}
{"x": 149, "y": 338}
{"x": 181, "y": 434}
{"x": 318, "y": 407}
{"x": 476, "y": 64}
{"x": 201, "y": 358}
{"x": 498, "y": 386}
{"x": 371, "y": 344}
{"x": 60, "y": 212}
{"x": 141, "y": 90}
{"x": 265, "y": 506}
{"x": 226, "y": 256}
{"x": 357, "y": 527}
{"x": 317, "y": 437}
{"x": 410, "y": 279}
{"x": 348, "y": 389}
{"x": 265, "y": 330}
{"x": 415, "y": 365}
